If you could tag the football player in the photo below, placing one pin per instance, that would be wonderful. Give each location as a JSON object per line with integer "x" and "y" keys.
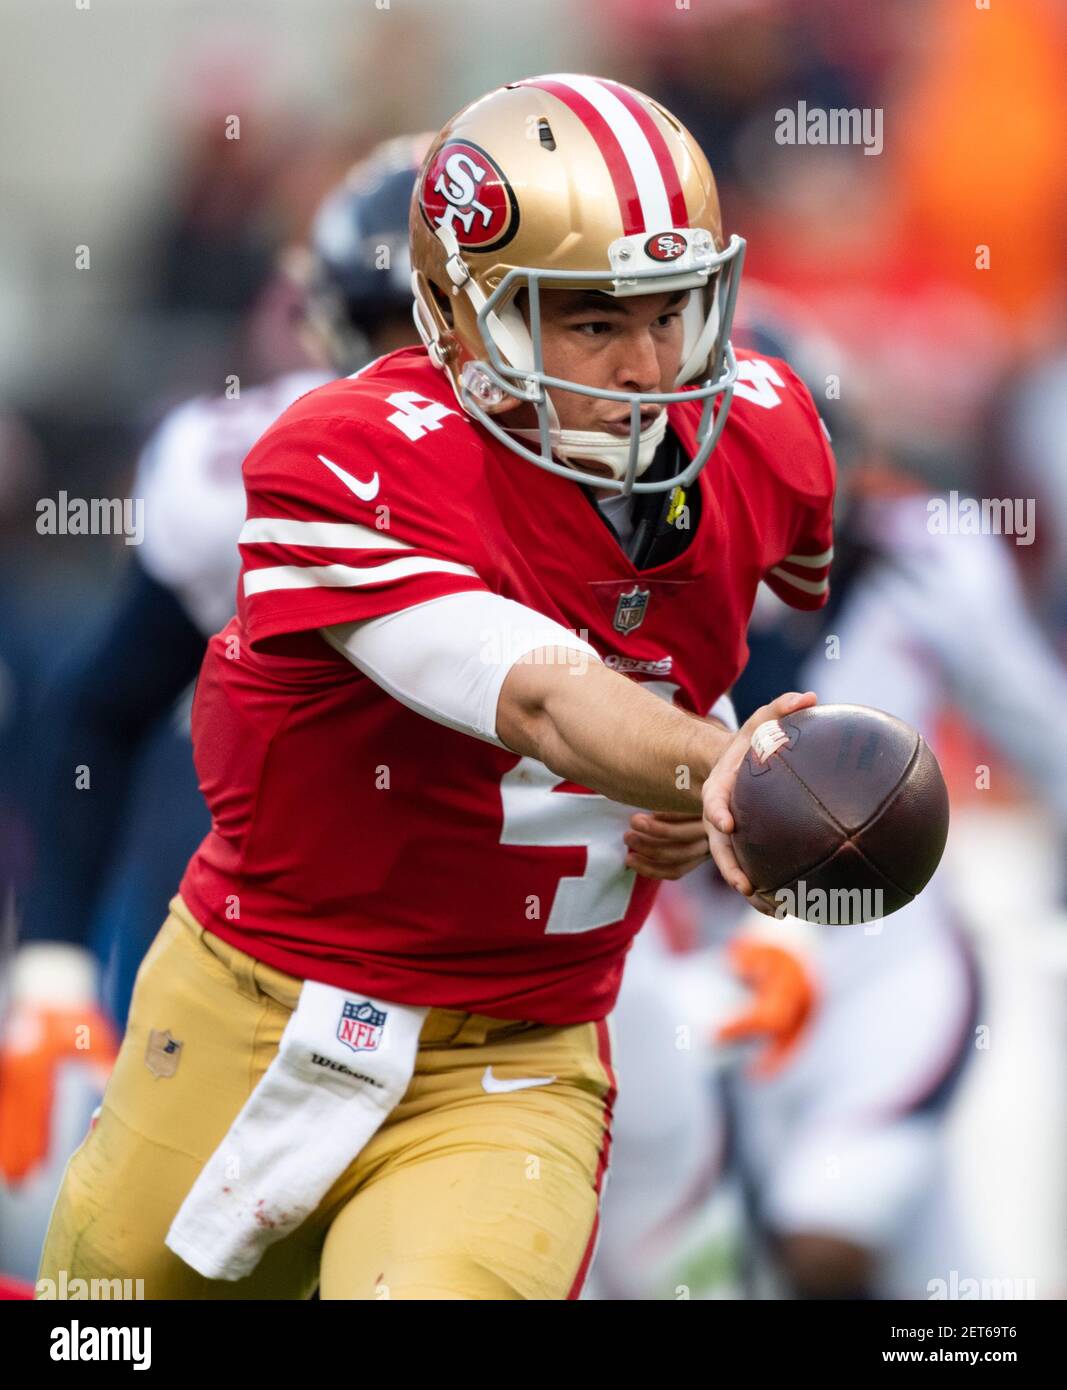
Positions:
{"x": 107, "y": 710}
{"x": 490, "y": 588}
{"x": 845, "y": 1147}
{"x": 841, "y": 1143}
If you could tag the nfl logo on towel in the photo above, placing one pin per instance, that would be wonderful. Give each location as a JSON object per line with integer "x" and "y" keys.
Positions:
{"x": 361, "y": 1026}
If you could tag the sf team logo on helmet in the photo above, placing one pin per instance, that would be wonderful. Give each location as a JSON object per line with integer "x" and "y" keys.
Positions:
{"x": 466, "y": 192}
{"x": 667, "y": 246}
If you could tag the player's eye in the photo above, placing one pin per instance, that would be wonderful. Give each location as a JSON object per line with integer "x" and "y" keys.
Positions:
{"x": 665, "y": 319}
{"x": 593, "y": 328}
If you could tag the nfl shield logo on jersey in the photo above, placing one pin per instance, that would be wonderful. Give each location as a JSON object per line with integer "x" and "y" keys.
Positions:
{"x": 630, "y": 611}
{"x": 361, "y": 1025}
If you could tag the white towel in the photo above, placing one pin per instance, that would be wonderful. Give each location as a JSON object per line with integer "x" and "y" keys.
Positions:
{"x": 344, "y": 1062}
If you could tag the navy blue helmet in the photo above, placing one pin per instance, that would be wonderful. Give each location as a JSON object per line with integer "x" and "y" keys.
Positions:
{"x": 360, "y": 270}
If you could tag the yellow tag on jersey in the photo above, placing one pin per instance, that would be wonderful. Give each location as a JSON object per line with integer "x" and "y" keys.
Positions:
{"x": 677, "y": 504}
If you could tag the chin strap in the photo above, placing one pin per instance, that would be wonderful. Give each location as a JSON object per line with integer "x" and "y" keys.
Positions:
{"x": 598, "y": 446}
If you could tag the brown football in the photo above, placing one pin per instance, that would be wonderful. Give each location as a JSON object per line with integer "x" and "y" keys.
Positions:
{"x": 840, "y": 814}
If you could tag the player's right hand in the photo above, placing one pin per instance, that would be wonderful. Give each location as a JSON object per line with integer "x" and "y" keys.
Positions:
{"x": 52, "y": 1018}
{"x": 718, "y": 790}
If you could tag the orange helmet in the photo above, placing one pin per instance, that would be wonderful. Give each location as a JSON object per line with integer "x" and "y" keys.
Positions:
{"x": 570, "y": 182}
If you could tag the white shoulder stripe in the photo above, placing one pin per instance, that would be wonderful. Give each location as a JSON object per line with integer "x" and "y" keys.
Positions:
{"x": 806, "y": 586}
{"x": 815, "y": 562}
{"x": 655, "y": 207}
{"x": 344, "y": 576}
{"x": 330, "y": 535}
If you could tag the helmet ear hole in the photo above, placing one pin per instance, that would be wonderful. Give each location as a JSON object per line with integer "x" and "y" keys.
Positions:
{"x": 521, "y": 301}
{"x": 443, "y": 305}
{"x": 435, "y": 330}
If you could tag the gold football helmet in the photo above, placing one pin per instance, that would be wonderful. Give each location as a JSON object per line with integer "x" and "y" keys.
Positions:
{"x": 570, "y": 182}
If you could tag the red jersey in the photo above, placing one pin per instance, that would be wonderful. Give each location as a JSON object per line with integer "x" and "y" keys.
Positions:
{"x": 358, "y": 843}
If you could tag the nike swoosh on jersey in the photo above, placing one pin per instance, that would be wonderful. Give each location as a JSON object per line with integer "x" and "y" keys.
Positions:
{"x": 366, "y": 492}
{"x": 495, "y": 1084}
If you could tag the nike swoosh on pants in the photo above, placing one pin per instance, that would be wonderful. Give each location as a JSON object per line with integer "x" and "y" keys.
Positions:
{"x": 494, "y": 1084}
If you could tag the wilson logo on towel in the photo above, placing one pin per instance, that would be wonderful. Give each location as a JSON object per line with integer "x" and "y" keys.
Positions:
{"x": 361, "y": 1026}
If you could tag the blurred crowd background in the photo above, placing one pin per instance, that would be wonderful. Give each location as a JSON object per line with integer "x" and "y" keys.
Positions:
{"x": 952, "y": 364}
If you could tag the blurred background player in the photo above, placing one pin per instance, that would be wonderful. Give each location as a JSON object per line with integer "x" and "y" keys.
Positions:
{"x": 845, "y": 1146}
{"x": 835, "y": 1138}
{"x": 106, "y": 865}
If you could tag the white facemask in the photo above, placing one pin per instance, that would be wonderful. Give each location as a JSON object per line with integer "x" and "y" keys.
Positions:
{"x": 600, "y": 447}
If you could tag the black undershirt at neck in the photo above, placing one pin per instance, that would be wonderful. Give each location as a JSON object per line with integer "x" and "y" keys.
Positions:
{"x": 656, "y": 539}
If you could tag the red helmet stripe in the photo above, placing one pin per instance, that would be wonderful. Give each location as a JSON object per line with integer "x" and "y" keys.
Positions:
{"x": 652, "y": 133}
{"x": 618, "y": 165}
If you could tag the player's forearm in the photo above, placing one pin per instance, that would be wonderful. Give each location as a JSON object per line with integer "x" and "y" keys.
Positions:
{"x": 603, "y": 731}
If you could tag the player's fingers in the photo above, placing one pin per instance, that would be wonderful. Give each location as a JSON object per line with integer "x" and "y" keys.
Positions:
{"x": 687, "y": 832}
{"x": 716, "y": 796}
{"x": 678, "y": 829}
{"x": 720, "y": 784}
{"x": 779, "y": 708}
{"x": 659, "y": 868}
{"x": 718, "y": 787}
{"x": 649, "y": 869}
{"x": 732, "y": 873}
{"x": 667, "y": 851}
{"x": 722, "y": 851}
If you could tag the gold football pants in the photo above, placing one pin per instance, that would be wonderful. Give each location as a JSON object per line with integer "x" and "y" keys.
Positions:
{"x": 462, "y": 1193}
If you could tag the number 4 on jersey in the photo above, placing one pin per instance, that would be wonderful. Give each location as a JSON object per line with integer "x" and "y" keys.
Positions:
{"x": 756, "y": 381}
{"x": 536, "y": 814}
{"x": 416, "y": 415}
